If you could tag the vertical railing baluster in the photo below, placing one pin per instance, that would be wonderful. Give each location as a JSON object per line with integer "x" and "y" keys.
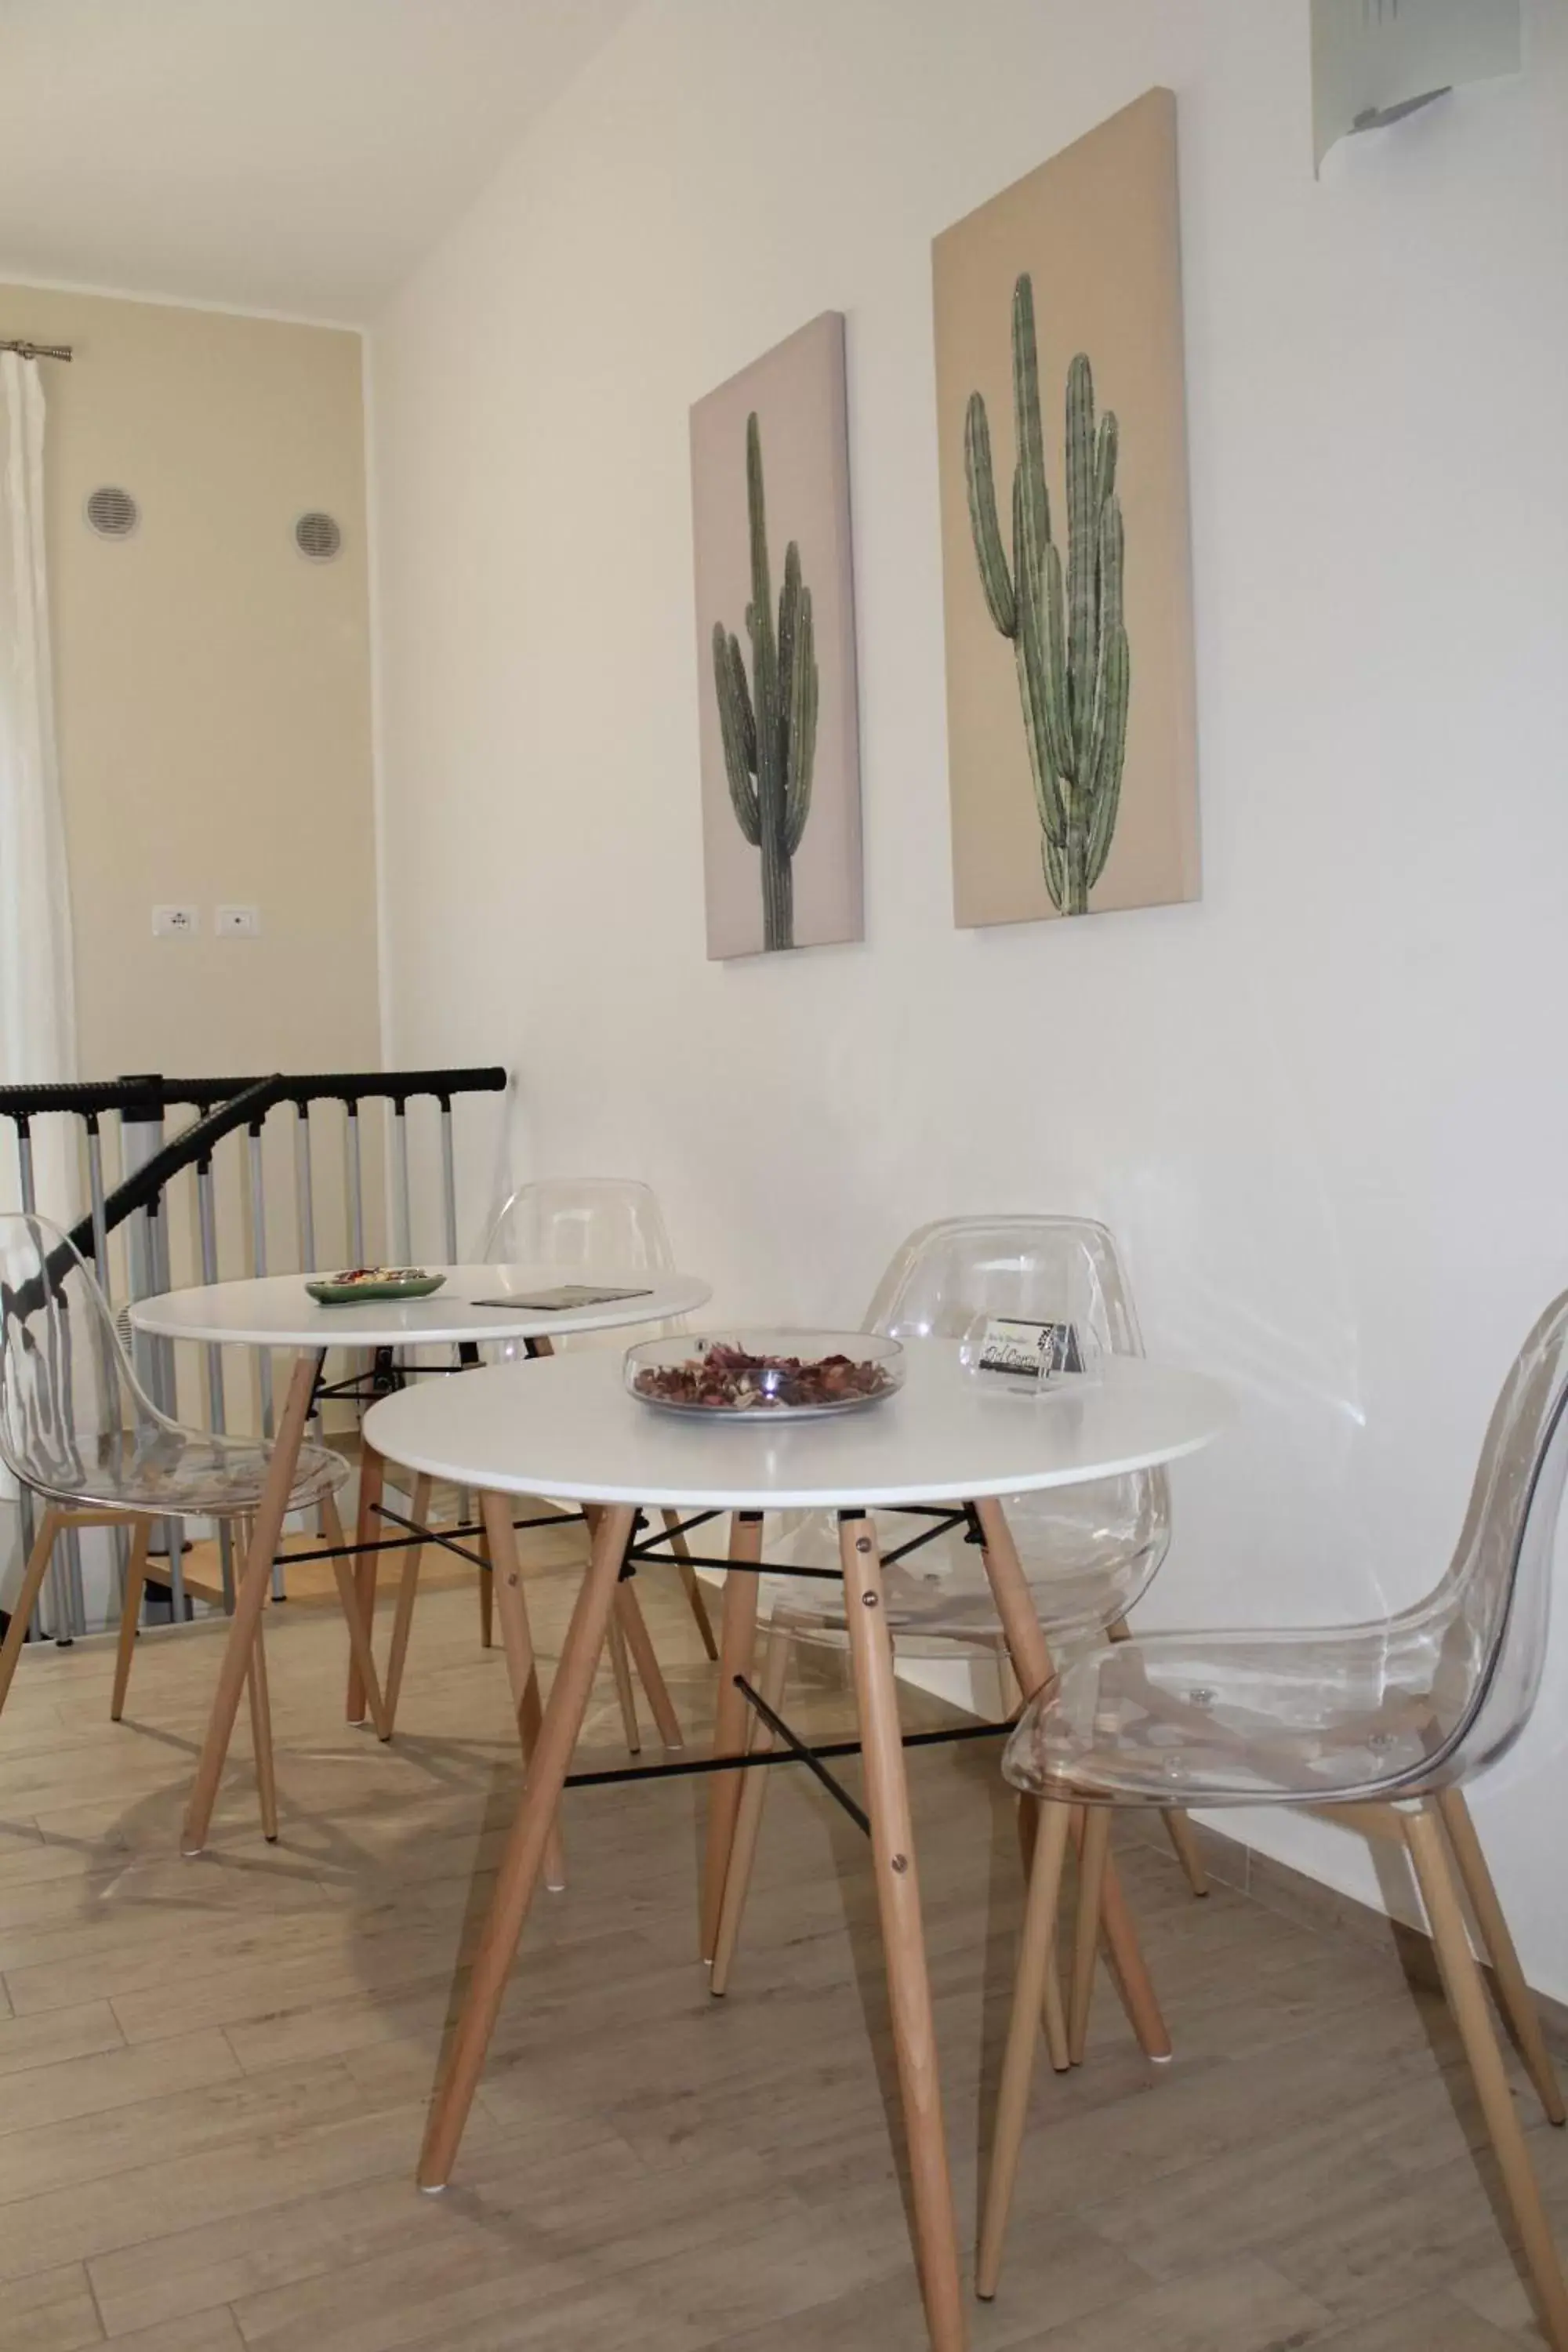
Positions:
{"x": 356, "y": 1185}
{"x": 259, "y": 1261}
{"x": 304, "y": 1191}
{"x": 448, "y": 1182}
{"x": 26, "y": 1522}
{"x": 100, "y": 1269}
{"x": 100, "y": 1218}
{"x": 403, "y": 1238}
{"x": 206, "y": 1226}
{"x": 164, "y": 1392}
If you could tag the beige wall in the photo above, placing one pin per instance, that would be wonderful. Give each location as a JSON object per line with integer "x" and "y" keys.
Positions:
{"x": 212, "y": 692}
{"x": 212, "y": 688}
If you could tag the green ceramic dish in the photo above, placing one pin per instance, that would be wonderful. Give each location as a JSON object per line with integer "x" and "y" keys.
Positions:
{"x": 353, "y": 1293}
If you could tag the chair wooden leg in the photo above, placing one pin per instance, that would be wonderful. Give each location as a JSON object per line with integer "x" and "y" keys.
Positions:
{"x": 250, "y": 1595}
{"x": 500, "y": 1539}
{"x": 639, "y": 1642}
{"x": 903, "y": 1939}
{"x": 1467, "y": 2000}
{"x": 1094, "y": 1851}
{"x": 130, "y": 1615}
{"x": 261, "y": 1736}
{"x": 1513, "y": 1993}
{"x": 621, "y": 1668}
{"x": 1037, "y": 1965}
{"x": 407, "y": 1593}
{"x": 33, "y": 1577}
{"x": 368, "y": 1530}
{"x": 696, "y": 1599}
{"x": 737, "y": 1640}
{"x": 1032, "y": 1664}
{"x": 1053, "y": 2010}
{"x": 1183, "y": 1839}
{"x": 525, "y": 1846}
{"x": 749, "y": 1813}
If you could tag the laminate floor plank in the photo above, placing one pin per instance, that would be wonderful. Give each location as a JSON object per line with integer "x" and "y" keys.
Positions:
{"x": 214, "y": 2075}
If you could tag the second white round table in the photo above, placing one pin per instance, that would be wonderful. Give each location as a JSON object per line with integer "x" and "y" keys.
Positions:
{"x": 475, "y": 1303}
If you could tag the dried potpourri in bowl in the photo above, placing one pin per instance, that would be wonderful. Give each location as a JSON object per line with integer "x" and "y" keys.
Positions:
{"x": 765, "y": 1375}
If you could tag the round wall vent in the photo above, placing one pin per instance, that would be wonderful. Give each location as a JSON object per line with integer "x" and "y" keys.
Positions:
{"x": 112, "y": 513}
{"x": 318, "y": 538}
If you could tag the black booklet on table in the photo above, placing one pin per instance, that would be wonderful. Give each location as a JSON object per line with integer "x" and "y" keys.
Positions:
{"x": 561, "y": 1301}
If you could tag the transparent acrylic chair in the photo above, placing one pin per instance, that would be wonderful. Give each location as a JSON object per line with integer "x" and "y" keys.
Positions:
{"x": 1377, "y": 1725}
{"x": 569, "y": 1221}
{"x": 1088, "y": 1552}
{"x": 573, "y": 1221}
{"x": 77, "y": 1427}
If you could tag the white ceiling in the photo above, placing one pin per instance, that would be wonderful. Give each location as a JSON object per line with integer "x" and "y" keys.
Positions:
{"x": 291, "y": 155}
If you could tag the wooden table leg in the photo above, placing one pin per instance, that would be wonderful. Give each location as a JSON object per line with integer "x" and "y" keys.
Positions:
{"x": 749, "y": 1813}
{"x": 261, "y": 1737}
{"x": 696, "y": 1600}
{"x": 525, "y": 1846}
{"x": 1032, "y": 1664}
{"x": 501, "y": 1536}
{"x": 903, "y": 1941}
{"x": 645, "y": 1658}
{"x": 248, "y": 1599}
{"x": 737, "y": 1640}
{"x": 407, "y": 1593}
{"x": 361, "y": 1658}
{"x": 368, "y": 1528}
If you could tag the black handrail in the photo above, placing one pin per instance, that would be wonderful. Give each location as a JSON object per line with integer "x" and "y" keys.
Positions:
{"x": 243, "y": 1102}
{"x": 90, "y": 1097}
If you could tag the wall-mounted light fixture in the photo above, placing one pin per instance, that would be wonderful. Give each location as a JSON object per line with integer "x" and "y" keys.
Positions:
{"x": 1375, "y": 62}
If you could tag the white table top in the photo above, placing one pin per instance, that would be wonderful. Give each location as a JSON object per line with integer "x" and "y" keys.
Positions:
{"x": 567, "y": 1427}
{"x": 277, "y": 1311}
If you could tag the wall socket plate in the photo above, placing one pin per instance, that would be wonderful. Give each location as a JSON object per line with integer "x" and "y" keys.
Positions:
{"x": 175, "y": 922}
{"x": 238, "y": 922}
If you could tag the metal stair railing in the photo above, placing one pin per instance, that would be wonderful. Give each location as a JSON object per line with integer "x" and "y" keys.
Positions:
{"x": 140, "y": 1202}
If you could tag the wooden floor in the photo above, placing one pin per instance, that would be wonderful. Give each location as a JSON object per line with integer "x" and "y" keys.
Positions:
{"x": 215, "y": 2073}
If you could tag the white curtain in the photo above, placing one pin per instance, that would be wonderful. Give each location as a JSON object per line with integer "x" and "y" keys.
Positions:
{"x": 38, "y": 1013}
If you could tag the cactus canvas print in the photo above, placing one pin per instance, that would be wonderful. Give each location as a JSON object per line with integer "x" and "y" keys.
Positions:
{"x": 778, "y": 735}
{"x": 1067, "y": 569}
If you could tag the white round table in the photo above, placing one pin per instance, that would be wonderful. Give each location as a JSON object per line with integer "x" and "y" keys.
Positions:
{"x": 570, "y": 1428}
{"x": 584, "y": 1437}
{"x": 277, "y": 1311}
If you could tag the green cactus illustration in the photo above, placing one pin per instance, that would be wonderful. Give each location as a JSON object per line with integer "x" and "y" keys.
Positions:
{"x": 770, "y": 726}
{"x": 1069, "y": 643}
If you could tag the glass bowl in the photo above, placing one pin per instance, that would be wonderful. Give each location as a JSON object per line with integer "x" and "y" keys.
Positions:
{"x": 764, "y": 1375}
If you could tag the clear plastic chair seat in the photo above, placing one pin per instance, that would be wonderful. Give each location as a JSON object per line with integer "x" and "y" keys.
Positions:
{"x": 1232, "y": 1719}
{"x": 1084, "y": 1577}
{"x": 1401, "y": 1707}
{"x": 76, "y": 1424}
{"x": 163, "y": 1468}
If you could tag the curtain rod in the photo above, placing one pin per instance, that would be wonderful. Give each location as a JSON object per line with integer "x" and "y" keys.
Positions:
{"x": 37, "y": 350}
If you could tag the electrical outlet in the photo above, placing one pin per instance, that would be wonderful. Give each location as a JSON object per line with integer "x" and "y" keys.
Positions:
{"x": 238, "y": 922}
{"x": 175, "y": 922}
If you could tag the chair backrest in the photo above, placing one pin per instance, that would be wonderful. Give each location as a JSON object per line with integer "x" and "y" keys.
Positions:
{"x": 606, "y": 1221}
{"x": 1044, "y": 1269}
{"x": 67, "y": 1390}
{"x": 1484, "y": 1629}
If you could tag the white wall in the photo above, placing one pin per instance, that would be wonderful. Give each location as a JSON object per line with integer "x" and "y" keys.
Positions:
{"x": 1325, "y": 1106}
